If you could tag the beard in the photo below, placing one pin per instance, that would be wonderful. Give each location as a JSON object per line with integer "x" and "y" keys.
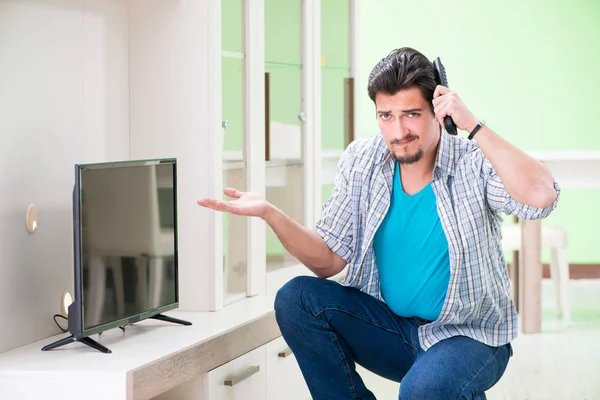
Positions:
{"x": 408, "y": 158}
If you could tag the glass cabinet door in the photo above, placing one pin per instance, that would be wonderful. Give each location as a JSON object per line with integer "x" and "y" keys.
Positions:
{"x": 337, "y": 87}
{"x": 235, "y": 237}
{"x": 285, "y": 116}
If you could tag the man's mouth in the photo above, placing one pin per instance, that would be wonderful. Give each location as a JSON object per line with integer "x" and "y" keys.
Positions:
{"x": 404, "y": 141}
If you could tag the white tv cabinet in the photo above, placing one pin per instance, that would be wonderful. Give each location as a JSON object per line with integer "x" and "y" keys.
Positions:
{"x": 154, "y": 359}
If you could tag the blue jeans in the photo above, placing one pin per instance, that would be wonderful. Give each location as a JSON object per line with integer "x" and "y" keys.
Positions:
{"x": 330, "y": 327}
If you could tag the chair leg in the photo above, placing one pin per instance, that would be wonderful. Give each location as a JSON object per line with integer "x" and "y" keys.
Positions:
{"x": 556, "y": 278}
{"x": 563, "y": 266}
{"x": 559, "y": 272}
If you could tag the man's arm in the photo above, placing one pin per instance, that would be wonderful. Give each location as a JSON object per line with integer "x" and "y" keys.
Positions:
{"x": 304, "y": 244}
{"x": 307, "y": 246}
{"x": 527, "y": 180}
{"x": 325, "y": 250}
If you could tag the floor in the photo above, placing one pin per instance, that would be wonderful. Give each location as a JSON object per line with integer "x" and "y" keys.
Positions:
{"x": 556, "y": 364}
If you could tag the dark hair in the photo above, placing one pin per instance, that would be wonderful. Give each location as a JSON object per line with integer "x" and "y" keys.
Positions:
{"x": 401, "y": 69}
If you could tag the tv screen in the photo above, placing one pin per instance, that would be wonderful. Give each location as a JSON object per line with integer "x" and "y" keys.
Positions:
{"x": 125, "y": 246}
{"x": 128, "y": 243}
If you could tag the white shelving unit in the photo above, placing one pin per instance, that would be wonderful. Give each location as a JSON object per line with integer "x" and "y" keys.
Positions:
{"x": 167, "y": 101}
{"x": 172, "y": 114}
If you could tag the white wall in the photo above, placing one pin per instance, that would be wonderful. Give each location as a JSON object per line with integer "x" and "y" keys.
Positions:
{"x": 90, "y": 81}
{"x": 64, "y": 99}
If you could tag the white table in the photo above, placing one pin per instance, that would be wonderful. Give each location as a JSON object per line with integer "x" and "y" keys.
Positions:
{"x": 571, "y": 169}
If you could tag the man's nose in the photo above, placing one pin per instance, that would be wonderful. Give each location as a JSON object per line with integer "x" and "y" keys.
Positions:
{"x": 400, "y": 128}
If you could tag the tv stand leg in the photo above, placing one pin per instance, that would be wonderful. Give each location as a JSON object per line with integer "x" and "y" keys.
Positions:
{"x": 162, "y": 317}
{"x": 59, "y": 343}
{"x": 95, "y": 345}
{"x": 70, "y": 339}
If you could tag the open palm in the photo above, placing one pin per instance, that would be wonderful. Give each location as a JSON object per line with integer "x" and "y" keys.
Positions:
{"x": 243, "y": 203}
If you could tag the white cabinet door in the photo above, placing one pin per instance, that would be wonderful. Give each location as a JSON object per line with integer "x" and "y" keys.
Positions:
{"x": 284, "y": 379}
{"x": 242, "y": 378}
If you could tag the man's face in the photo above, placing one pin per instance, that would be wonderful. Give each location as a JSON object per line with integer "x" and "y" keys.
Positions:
{"x": 407, "y": 124}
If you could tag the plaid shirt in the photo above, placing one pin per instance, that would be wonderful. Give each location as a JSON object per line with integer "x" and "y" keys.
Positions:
{"x": 470, "y": 199}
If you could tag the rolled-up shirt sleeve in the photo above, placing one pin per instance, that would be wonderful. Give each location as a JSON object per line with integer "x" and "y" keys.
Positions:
{"x": 337, "y": 217}
{"x": 499, "y": 199}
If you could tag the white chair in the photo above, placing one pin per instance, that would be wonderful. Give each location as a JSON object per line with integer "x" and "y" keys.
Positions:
{"x": 556, "y": 240}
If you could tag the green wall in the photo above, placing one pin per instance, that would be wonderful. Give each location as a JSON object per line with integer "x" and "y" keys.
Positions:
{"x": 518, "y": 65}
{"x": 527, "y": 67}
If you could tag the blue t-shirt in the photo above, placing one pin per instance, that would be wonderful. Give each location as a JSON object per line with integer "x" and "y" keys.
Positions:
{"x": 411, "y": 252}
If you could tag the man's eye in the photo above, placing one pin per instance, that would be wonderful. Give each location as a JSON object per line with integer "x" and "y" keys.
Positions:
{"x": 412, "y": 115}
{"x": 385, "y": 117}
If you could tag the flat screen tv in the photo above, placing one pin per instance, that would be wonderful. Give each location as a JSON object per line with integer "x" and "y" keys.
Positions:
{"x": 125, "y": 247}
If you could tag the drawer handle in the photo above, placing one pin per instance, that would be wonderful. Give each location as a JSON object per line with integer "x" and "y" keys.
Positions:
{"x": 242, "y": 375}
{"x": 285, "y": 353}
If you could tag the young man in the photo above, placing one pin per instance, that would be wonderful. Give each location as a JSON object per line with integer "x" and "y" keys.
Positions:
{"x": 415, "y": 217}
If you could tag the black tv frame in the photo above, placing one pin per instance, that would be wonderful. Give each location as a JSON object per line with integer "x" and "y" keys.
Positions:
{"x": 75, "y": 309}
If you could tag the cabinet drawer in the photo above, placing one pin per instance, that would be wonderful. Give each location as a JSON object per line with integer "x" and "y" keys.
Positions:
{"x": 190, "y": 390}
{"x": 242, "y": 378}
{"x": 284, "y": 378}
